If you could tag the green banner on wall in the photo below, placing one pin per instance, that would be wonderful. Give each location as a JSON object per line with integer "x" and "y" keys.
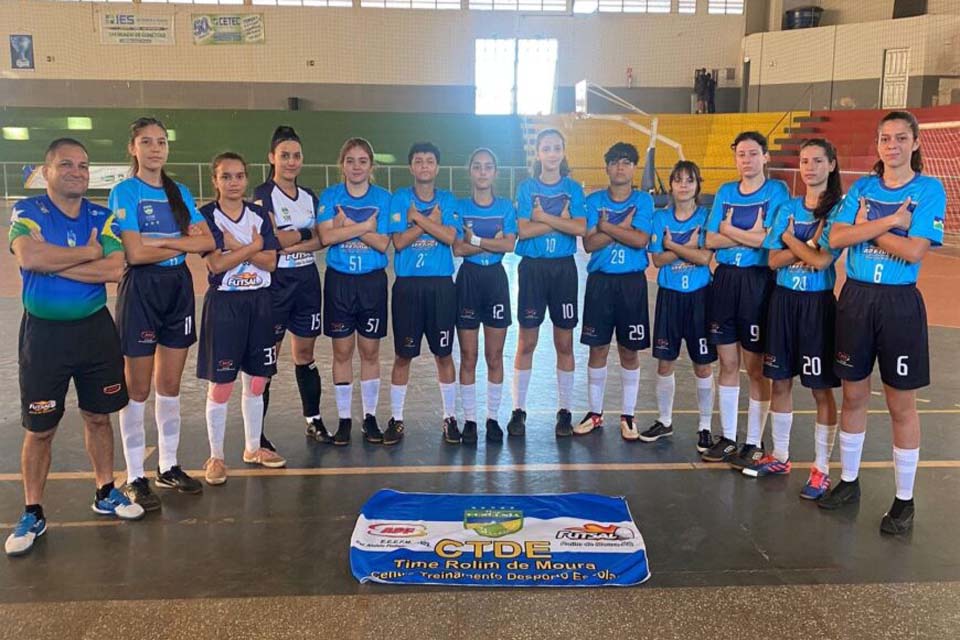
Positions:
{"x": 227, "y": 28}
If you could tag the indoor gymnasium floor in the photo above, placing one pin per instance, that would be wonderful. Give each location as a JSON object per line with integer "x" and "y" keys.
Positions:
{"x": 266, "y": 555}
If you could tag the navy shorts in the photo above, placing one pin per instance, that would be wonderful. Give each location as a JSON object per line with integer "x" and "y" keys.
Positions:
{"x": 155, "y": 305}
{"x": 483, "y": 296}
{"x": 616, "y": 302}
{"x": 547, "y": 283}
{"x": 681, "y": 316}
{"x": 296, "y": 302}
{"x": 886, "y": 323}
{"x": 355, "y": 303}
{"x": 52, "y": 352}
{"x": 236, "y": 334}
{"x": 423, "y": 306}
{"x": 738, "y": 305}
{"x": 799, "y": 337}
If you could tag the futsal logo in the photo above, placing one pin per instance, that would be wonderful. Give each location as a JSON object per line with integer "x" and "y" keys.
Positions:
{"x": 595, "y": 532}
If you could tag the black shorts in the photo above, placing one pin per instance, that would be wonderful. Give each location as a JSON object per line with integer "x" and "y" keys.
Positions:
{"x": 155, "y": 305}
{"x": 355, "y": 303}
{"x": 296, "y": 302}
{"x": 886, "y": 323}
{"x": 54, "y": 351}
{"x": 799, "y": 337}
{"x": 682, "y": 317}
{"x": 547, "y": 282}
{"x": 236, "y": 334}
{"x": 483, "y": 296}
{"x": 738, "y": 305}
{"x": 616, "y": 301}
{"x": 423, "y": 306}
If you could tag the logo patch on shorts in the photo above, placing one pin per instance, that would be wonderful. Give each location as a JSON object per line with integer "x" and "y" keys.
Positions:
{"x": 112, "y": 389}
{"x": 42, "y": 406}
{"x": 148, "y": 337}
{"x": 663, "y": 343}
{"x": 590, "y": 332}
{"x": 530, "y": 314}
{"x": 714, "y": 327}
{"x": 225, "y": 365}
{"x": 338, "y": 327}
{"x": 843, "y": 359}
{"x": 468, "y": 314}
{"x": 408, "y": 342}
{"x": 770, "y": 360}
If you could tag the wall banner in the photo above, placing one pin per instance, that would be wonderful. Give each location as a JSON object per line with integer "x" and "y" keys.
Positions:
{"x": 132, "y": 28}
{"x": 227, "y": 28}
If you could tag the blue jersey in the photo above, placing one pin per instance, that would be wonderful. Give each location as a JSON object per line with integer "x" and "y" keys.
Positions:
{"x": 743, "y": 211}
{"x": 425, "y": 256}
{"x": 617, "y": 257}
{"x": 928, "y": 202}
{"x": 246, "y": 276}
{"x": 799, "y": 276}
{"x": 680, "y": 275}
{"x": 354, "y": 256}
{"x": 48, "y": 295}
{"x": 553, "y": 197}
{"x": 144, "y": 209}
{"x": 486, "y": 222}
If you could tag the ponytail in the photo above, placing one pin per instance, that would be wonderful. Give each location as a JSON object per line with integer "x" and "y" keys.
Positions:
{"x": 181, "y": 214}
{"x": 916, "y": 159}
{"x": 834, "y": 191}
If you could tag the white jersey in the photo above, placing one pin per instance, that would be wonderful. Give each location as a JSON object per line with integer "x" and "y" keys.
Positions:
{"x": 246, "y": 276}
{"x": 289, "y": 213}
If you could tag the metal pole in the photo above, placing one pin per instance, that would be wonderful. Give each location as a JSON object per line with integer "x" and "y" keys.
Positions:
{"x": 6, "y": 194}
{"x": 200, "y": 180}
{"x": 389, "y": 179}
{"x": 450, "y": 180}
{"x": 326, "y": 175}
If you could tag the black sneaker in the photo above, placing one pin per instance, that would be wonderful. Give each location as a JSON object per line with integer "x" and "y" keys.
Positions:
{"x": 175, "y": 478}
{"x": 451, "y": 432}
{"x": 843, "y": 494}
{"x": 518, "y": 423}
{"x": 469, "y": 432}
{"x": 899, "y": 519}
{"x": 494, "y": 432}
{"x": 748, "y": 456}
{"x": 342, "y": 437}
{"x": 704, "y": 440}
{"x": 656, "y": 431}
{"x": 394, "y": 432}
{"x": 721, "y": 451}
{"x": 371, "y": 430}
{"x": 564, "y": 426}
{"x": 265, "y": 443}
{"x": 139, "y": 491}
{"x": 318, "y": 431}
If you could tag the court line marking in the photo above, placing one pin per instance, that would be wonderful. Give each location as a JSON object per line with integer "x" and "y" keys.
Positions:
{"x": 479, "y": 469}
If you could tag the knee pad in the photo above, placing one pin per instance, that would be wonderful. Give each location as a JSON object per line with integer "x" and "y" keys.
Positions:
{"x": 220, "y": 392}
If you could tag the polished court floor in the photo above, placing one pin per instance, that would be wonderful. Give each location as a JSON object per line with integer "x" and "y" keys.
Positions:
{"x": 266, "y": 554}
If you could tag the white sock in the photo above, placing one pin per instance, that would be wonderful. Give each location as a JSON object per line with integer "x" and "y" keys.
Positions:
{"x": 905, "y": 463}
{"x": 494, "y": 393}
{"x": 596, "y": 384}
{"x": 251, "y": 407}
{"x": 468, "y": 396}
{"x": 564, "y": 389}
{"x": 448, "y": 397}
{"x": 167, "y": 412}
{"x": 757, "y": 412}
{"x": 344, "y": 394}
{"x": 666, "y": 385}
{"x": 216, "y": 427}
{"x": 132, "y": 434}
{"x": 851, "y": 448}
{"x": 630, "y": 383}
{"x": 824, "y": 436}
{"x": 370, "y": 396}
{"x": 705, "y": 402}
{"x": 729, "y": 398}
{"x": 398, "y": 396}
{"x": 521, "y": 382}
{"x": 780, "y": 424}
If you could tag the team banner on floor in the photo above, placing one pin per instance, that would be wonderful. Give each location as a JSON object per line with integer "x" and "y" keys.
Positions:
{"x": 228, "y": 28}
{"x": 566, "y": 540}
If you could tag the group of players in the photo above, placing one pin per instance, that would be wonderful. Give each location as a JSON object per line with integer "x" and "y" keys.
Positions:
{"x": 769, "y": 304}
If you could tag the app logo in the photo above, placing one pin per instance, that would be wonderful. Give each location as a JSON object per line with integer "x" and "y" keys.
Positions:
{"x": 493, "y": 523}
{"x": 397, "y": 530}
{"x": 112, "y": 389}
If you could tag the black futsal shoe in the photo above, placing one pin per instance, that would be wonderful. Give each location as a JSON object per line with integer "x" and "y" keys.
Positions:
{"x": 843, "y": 494}
{"x": 899, "y": 519}
{"x": 469, "y": 435}
{"x": 177, "y": 479}
{"x": 342, "y": 437}
{"x": 451, "y": 432}
{"x": 265, "y": 443}
{"x": 748, "y": 456}
{"x": 704, "y": 440}
{"x": 494, "y": 432}
{"x": 721, "y": 451}
{"x": 318, "y": 431}
{"x": 517, "y": 426}
{"x": 139, "y": 491}
{"x": 394, "y": 432}
{"x": 656, "y": 431}
{"x": 371, "y": 430}
{"x": 564, "y": 426}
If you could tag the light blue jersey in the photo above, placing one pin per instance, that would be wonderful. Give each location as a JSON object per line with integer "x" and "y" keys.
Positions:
{"x": 617, "y": 257}
{"x": 486, "y": 222}
{"x": 680, "y": 275}
{"x": 140, "y": 207}
{"x": 553, "y": 198}
{"x": 425, "y": 256}
{"x": 743, "y": 211}
{"x": 355, "y": 257}
{"x": 799, "y": 276}
{"x": 928, "y": 202}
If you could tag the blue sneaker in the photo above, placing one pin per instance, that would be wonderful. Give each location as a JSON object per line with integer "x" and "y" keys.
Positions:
{"x": 817, "y": 485}
{"x": 117, "y": 504}
{"x": 28, "y": 529}
{"x": 767, "y": 466}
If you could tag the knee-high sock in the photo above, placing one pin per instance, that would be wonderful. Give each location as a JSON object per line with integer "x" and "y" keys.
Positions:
{"x": 851, "y": 450}
{"x": 564, "y": 389}
{"x": 630, "y": 386}
{"x": 780, "y": 424}
{"x": 398, "y": 397}
{"x": 370, "y": 395}
{"x": 494, "y": 394}
{"x": 216, "y": 427}
{"x": 167, "y": 413}
{"x": 905, "y": 463}
{"x": 309, "y": 385}
{"x": 666, "y": 386}
{"x": 344, "y": 396}
{"x": 252, "y": 408}
{"x": 596, "y": 385}
{"x": 824, "y": 437}
{"x": 705, "y": 402}
{"x": 134, "y": 439}
{"x": 521, "y": 382}
{"x": 756, "y": 420}
{"x": 729, "y": 398}
{"x": 468, "y": 396}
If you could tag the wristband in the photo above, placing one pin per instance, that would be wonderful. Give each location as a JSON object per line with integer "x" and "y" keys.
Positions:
{"x": 475, "y": 240}
{"x": 305, "y": 234}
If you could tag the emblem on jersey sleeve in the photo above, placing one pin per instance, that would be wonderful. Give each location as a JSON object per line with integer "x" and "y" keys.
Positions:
{"x": 121, "y": 213}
